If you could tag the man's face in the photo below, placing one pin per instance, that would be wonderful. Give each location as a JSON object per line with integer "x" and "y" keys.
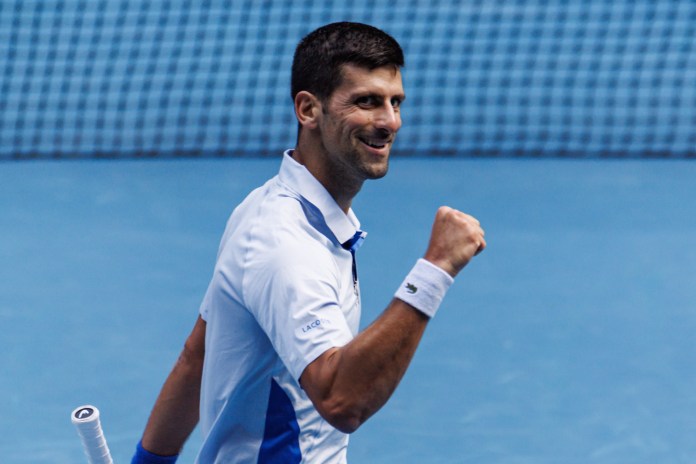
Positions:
{"x": 359, "y": 122}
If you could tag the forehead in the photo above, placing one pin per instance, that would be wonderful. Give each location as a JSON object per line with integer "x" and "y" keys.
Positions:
{"x": 385, "y": 81}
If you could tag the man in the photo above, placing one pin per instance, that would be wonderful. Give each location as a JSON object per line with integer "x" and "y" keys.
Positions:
{"x": 285, "y": 374}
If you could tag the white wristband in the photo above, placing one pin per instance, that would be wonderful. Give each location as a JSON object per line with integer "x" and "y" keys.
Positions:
{"x": 425, "y": 287}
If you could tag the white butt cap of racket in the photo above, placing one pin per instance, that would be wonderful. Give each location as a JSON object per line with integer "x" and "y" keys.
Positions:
{"x": 85, "y": 415}
{"x": 86, "y": 420}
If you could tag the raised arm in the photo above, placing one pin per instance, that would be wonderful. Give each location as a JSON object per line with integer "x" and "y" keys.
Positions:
{"x": 349, "y": 384}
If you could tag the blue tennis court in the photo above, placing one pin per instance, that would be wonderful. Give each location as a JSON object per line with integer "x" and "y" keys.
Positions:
{"x": 569, "y": 340}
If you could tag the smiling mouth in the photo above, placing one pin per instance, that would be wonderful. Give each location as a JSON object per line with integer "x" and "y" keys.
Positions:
{"x": 375, "y": 144}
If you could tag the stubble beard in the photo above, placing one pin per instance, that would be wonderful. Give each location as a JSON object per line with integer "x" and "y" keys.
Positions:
{"x": 354, "y": 166}
{"x": 366, "y": 168}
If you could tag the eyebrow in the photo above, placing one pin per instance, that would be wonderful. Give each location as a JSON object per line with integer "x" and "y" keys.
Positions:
{"x": 368, "y": 93}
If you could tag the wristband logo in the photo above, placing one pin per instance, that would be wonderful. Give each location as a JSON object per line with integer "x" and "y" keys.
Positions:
{"x": 410, "y": 288}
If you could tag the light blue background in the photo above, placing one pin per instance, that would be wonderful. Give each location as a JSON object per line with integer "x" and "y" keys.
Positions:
{"x": 569, "y": 340}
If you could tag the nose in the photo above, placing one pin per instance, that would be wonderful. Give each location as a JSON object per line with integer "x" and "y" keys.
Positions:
{"x": 388, "y": 118}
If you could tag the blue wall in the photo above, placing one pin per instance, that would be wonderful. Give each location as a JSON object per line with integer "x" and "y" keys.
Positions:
{"x": 85, "y": 78}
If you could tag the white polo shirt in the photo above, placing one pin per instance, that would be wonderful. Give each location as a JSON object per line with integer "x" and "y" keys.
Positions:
{"x": 282, "y": 293}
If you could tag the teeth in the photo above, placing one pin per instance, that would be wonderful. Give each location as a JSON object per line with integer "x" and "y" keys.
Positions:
{"x": 373, "y": 145}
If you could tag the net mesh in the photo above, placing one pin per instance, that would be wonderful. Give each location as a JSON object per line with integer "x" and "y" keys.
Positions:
{"x": 120, "y": 78}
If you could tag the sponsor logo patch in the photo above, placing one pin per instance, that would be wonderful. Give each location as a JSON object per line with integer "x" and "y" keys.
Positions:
{"x": 315, "y": 324}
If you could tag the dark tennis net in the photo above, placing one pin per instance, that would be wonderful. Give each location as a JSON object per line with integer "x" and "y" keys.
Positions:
{"x": 120, "y": 78}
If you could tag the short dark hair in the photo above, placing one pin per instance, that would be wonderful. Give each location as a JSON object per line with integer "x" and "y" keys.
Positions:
{"x": 319, "y": 57}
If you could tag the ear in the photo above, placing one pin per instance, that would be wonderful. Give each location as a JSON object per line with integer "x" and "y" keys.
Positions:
{"x": 307, "y": 109}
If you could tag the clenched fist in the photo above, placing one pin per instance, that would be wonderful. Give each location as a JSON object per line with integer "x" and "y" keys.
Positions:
{"x": 455, "y": 239}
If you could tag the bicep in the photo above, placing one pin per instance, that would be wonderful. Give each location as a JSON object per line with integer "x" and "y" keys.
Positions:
{"x": 319, "y": 376}
{"x": 194, "y": 348}
{"x": 334, "y": 402}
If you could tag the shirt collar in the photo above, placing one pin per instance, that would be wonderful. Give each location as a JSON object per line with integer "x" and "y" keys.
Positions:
{"x": 300, "y": 180}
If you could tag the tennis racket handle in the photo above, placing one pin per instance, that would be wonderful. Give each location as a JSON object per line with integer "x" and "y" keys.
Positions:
{"x": 86, "y": 421}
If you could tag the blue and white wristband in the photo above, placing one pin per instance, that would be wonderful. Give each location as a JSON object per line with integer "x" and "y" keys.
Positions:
{"x": 425, "y": 287}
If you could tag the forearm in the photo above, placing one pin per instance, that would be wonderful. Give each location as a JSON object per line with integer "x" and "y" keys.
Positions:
{"x": 175, "y": 413}
{"x": 363, "y": 374}
{"x": 176, "y": 410}
{"x": 373, "y": 364}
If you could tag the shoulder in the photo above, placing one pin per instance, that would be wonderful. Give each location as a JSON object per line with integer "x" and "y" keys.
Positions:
{"x": 276, "y": 231}
{"x": 289, "y": 232}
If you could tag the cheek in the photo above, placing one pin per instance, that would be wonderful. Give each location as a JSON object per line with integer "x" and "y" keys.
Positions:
{"x": 345, "y": 129}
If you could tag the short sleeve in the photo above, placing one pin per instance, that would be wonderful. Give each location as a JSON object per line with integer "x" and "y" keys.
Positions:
{"x": 292, "y": 291}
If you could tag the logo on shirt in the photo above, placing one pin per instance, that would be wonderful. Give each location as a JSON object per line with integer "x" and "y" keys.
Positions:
{"x": 315, "y": 324}
{"x": 410, "y": 288}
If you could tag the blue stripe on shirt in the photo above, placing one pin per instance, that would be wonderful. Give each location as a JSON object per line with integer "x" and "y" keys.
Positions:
{"x": 281, "y": 437}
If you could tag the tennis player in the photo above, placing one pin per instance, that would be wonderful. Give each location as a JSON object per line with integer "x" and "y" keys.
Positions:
{"x": 275, "y": 361}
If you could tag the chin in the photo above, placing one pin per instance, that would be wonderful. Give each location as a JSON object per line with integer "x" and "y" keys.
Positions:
{"x": 377, "y": 172}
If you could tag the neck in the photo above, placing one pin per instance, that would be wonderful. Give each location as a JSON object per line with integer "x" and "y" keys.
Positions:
{"x": 341, "y": 189}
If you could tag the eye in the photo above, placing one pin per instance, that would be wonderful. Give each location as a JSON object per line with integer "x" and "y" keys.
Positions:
{"x": 366, "y": 101}
{"x": 396, "y": 102}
